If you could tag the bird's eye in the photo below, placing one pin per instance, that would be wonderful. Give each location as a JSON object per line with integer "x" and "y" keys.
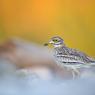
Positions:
{"x": 55, "y": 40}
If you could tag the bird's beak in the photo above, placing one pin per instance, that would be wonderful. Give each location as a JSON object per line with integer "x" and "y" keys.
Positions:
{"x": 46, "y": 44}
{"x": 50, "y": 42}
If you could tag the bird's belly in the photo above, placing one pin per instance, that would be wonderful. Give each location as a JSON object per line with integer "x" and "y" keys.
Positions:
{"x": 70, "y": 65}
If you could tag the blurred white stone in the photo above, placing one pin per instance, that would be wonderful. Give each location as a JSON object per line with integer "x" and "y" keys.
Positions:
{"x": 6, "y": 67}
{"x": 37, "y": 72}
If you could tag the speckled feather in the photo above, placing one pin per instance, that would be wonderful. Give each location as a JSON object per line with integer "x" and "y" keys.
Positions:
{"x": 68, "y": 56}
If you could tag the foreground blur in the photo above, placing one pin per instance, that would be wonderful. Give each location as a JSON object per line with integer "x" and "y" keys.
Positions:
{"x": 29, "y": 69}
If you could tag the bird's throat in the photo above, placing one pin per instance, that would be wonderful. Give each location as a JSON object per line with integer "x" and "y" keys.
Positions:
{"x": 57, "y": 45}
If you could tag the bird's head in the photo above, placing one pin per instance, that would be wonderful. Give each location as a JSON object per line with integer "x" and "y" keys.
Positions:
{"x": 55, "y": 41}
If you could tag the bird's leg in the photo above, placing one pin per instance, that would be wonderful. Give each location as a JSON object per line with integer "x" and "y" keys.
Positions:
{"x": 74, "y": 72}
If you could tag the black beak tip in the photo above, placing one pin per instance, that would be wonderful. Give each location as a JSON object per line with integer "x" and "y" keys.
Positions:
{"x": 46, "y": 44}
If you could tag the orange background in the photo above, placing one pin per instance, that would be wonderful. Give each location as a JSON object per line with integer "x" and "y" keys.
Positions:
{"x": 38, "y": 20}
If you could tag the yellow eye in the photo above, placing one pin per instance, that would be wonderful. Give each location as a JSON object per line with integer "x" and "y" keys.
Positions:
{"x": 55, "y": 40}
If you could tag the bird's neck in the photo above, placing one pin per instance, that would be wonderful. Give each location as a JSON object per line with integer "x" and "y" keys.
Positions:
{"x": 60, "y": 45}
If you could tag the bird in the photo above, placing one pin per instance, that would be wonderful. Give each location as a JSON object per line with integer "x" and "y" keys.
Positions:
{"x": 69, "y": 57}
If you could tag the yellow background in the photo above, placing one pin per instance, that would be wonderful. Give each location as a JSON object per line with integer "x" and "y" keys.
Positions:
{"x": 38, "y": 20}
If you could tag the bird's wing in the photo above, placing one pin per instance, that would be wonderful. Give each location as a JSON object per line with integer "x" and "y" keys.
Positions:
{"x": 81, "y": 55}
{"x": 73, "y": 56}
{"x": 69, "y": 59}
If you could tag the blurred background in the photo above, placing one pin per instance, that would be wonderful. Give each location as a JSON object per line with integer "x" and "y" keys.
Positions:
{"x": 26, "y": 67}
{"x": 38, "y": 20}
